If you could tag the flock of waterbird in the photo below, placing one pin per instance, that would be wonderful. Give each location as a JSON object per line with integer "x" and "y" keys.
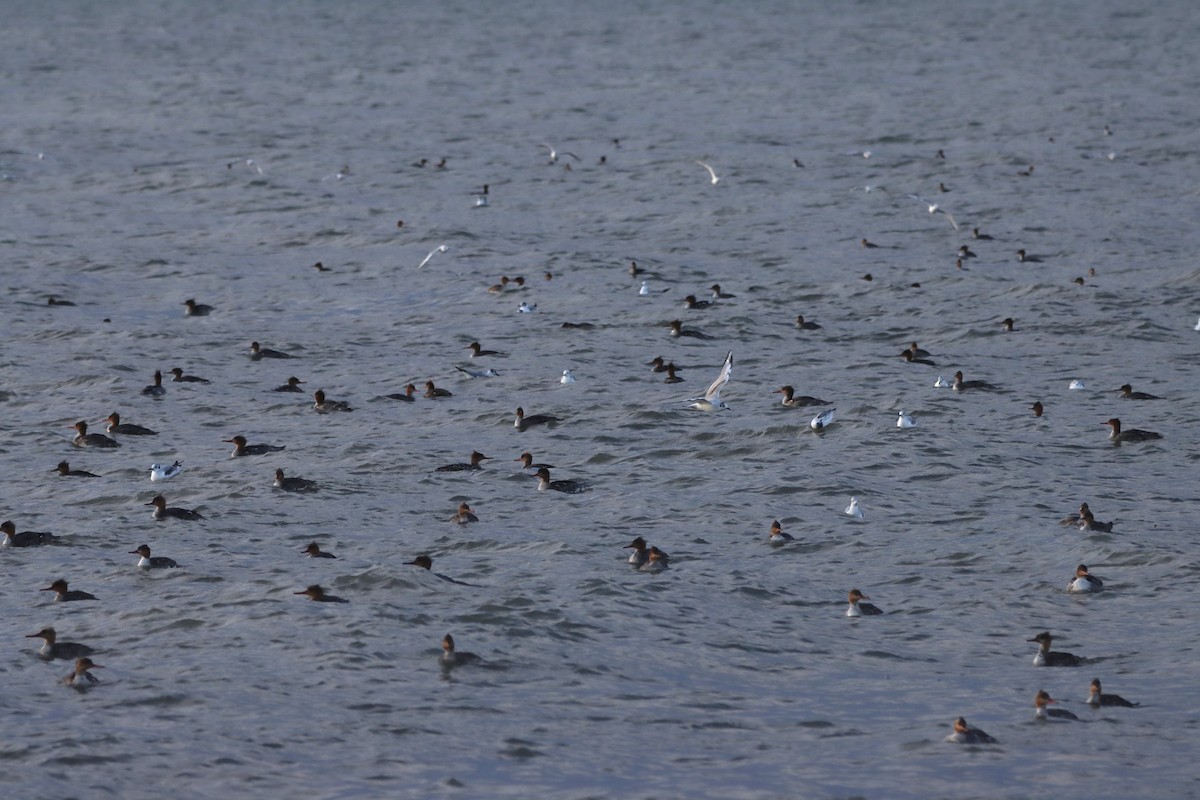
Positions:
{"x": 645, "y": 558}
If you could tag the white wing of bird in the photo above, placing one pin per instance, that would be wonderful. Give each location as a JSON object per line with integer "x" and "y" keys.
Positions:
{"x": 711, "y": 172}
{"x": 712, "y": 398}
{"x": 934, "y": 208}
{"x": 432, "y": 253}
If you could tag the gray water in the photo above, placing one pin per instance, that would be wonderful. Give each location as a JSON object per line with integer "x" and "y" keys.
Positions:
{"x": 126, "y": 189}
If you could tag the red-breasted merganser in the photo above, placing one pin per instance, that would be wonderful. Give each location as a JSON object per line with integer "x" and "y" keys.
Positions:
{"x": 961, "y": 385}
{"x": 477, "y": 350}
{"x": 464, "y": 515}
{"x": 569, "y": 487}
{"x": 23, "y": 539}
{"x": 292, "y": 385}
{"x": 526, "y": 460}
{"x": 1096, "y": 698}
{"x": 85, "y": 439}
{"x": 1127, "y": 393}
{"x": 1087, "y": 522}
{"x": 656, "y": 561}
{"x": 64, "y": 468}
{"x": 80, "y": 677}
{"x": 1084, "y": 582}
{"x": 476, "y": 458}
{"x": 778, "y": 536}
{"x": 917, "y": 352}
{"x": 63, "y": 594}
{"x": 964, "y": 734}
{"x": 317, "y": 594}
{"x": 195, "y": 309}
{"x": 1009, "y": 324}
{"x": 523, "y": 423}
{"x": 323, "y": 406}
{"x": 405, "y": 396}
{"x": 908, "y": 356}
{"x": 161, "y": 511}
{"x": 1043, "y": 699}
{"x": 867, "y": 244}
{"x": 1037, "y": 408}
{"x": 965, "y": 252}
{"x": 52, "y": 648}
{"x": 240, "y": 448}
{"x": 426, "y": 563}
{"x": 452, "y": 658}
{"x": 860, "y": 609}
{"x": 126, "y": 429}
{"x": 1131, "y": 435}
{"x": 790, "y": 400}
{"x": 155, "y": 389}
{"x": 711, "y": 401}
{"x": 1047, "y": 658}
{"x": 1073, "y": 519}
{"x": 314, "y": 551}
{"x": 657, "y": 364}
{"x": 678, "y": 330}
{"x": 54, "y": 301}
{"x": 975, "y": 234}
{"x": 641, "y": 553}
{"x": 671, "y": 376}
{"x": 181, "y": 378}
{"x": 152, "y": 562}
{"x": 432, "y": 392}
{"x": 718, "y": 294}
{"x": 257, "y": 352}
{"x": 293, "y": 484}
{"x": 805, "y": 325}
{"x": 690, "y": 302}
{"x": 1024, "y": 257}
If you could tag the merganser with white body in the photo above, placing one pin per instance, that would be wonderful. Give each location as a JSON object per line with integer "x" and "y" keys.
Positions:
{"x": 1047, "y": 658}
{"x": 116, "y": 426}
{"x": 161, "y": 511}
{"x": 85, "y": 439}
{"x": 960, "y": 385}
{"x": 64, "y": 595}
{"x": 240, "y": 448}
{"x": 711, "y": 401}
{"x": 464, "y": 515}
{"x": 860, "y": 609}
{"x": 155, "y": 389}
{"x": 195, "y": 309}
{"x": 258, "y": 352}
{"x": 318, "y": 595}
{"x": 568, "y": 377}
{"x": 293, "y": 484}
{"x": 477, "y": 373}
{"x": 323, "y": 406}
{"x": 451, "y": 658}
{"x": 1041, "y": 700}
{"x": 160, "y": 473}
{"x": 314, "y": 551}
{"x": 777, "y": 536}
{"x": 1131, "y": 435}
{"x": 523, "y": 423}
{"x": 905, "y": 421}
{"x": 181, "y": 378}
{"x": 65, "y": 470}
{"x": 790, "y": 400}
{"x": 52, "y": 648}
{"x": 152, "y": 562}
{"x": 854, "y": 509}
{"x": 1097, "y": 699}
{"x": 656, "y": 561}
{"x": 23, "y": 539}
{"x": 1127, "y": 393}
{"x": 292, "y": 385}
{"x": 567, "y": 487}
{"x": 476, "y": 458}
{"x": 822, "y": 420}
{"x": 80, "y": 677}
{"x": 1084, "y": 582}
{"x": 963, "y": 734}
{"x": 526, "y": 460}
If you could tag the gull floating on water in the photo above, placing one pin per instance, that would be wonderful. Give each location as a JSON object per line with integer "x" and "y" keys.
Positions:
{"x": 853, "y": 509}
{"x": 1077, "y": 384}
{"x": 711, "y": 172}
{"x": 432, "y": 253}
{"x": 1197, "y": 328}
{"x": 905, "y": 421}
{"x": 160, "y": 473}
{"x": 567, "y": 376}
{"x": 941, "y": 383}
{"x": 935, "y": 208}
{"x": 822, "y": 420}
{"x": 712, "y": 398}
{"x": 525, "y": 308}
{"x": 472, "y": 373}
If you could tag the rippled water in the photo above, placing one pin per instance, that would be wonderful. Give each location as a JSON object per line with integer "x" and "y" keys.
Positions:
{"x": 735, "y": 673}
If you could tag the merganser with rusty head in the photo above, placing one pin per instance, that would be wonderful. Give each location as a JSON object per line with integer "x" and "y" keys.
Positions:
{"x": 1084, "y": 582}
{"x": 656, "y": 561}
{"x": 1047, "y": 658}
{"x": 161, "y": 511}
{"x": 81, "y": 677}
{"x": 25, "y": 538}
{"x": 317, "y": 594}
{"x": 964, "y": 734}
{"x": 407, "y": 396}
{"x": 567, "y": 487}
{"x": 323, "y": 406}
{"x": 314, "y": 551}
{"x": 677, "y": 330}
{"x": 1097, "y": 699}
{"x": 63, "y": 594}
{"x": 523, "y": 423}
{"x": 778, "y": 536}
{"x": 258, "y": 352}
{"x": 1043, "y": 699}
{"x": 240, "y": 448}
{"x": 1130, "y": 435}
{"x": 65, "y": 470}
{"x": 526, "y": 460}
{"x": 860, "y": 609}
{"x": 85, "y": 439}
{"x": 453, "y": 658}
{"x": 293, "y": 484}
{"x": 432, "y": 392}
{"x": 147, "y": 561}
{"x": 477, "y": 350}
{"x": 292, "y": 385}
{"x": 181, "y": 378}
{"x": 52, "y": 648}
{"x": 960, "y": 385}
{"x": 790, "y": 400}
{"x": 464, "y": 515}
{"x": 195, "y": 309}
{"x": 126, "y": 429}
{"x": 155, "y": 389}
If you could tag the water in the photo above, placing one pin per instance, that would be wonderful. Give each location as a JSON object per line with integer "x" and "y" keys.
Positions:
{"x": 735, "y": 673}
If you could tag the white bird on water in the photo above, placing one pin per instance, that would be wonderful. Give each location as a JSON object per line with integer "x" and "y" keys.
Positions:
{"x": 905, "y": 421}
{"x": 1077, "y": 384}
{"x": 525, "y": 308}
{"x": 940, "y": 383}
{"x": 822, "y": 420}
{"x": 712, "y": 398}
{"x": 1197, "y": 328}
{"x": 854, "y": 509}
{"x": 160, "y": 473}
{"x": 935, "y": 208}
{"x": 432, "y": 253}
{"x": 711, "y": 172}
{"x": 567, "y": 377}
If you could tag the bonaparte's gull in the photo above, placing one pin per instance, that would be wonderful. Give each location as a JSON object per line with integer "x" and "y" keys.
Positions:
{"x": 526, "y": 308}
{"x": 905, "y": 421}
{"x": 711, "y": 172}
{"x": 854, "y": 509}
{"x": 1077, "y": 384}
{"x": 567, "y": 377}
{"x": 941, "y": 383}
{"x": 712, "y": 398}
{"x": 432, "y": 253}
{"x": 471, "y": 373}
{"x": 158, "y": 472}
{"x": 935, "y": 208}
{"x": 822, "y": 420}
